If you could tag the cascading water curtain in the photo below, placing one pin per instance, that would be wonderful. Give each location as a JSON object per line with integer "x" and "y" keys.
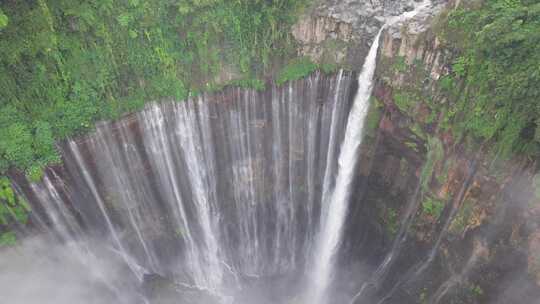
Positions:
{"x": 207, "y": 192}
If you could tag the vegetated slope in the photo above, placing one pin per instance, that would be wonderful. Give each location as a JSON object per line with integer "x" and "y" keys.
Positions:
{"x": 66, "y": 64}
{"x": 495, "y": 79}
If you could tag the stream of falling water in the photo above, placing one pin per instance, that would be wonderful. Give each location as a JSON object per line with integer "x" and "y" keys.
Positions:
{"x": 210, "y": 193}
{"x": 334, "y": 208}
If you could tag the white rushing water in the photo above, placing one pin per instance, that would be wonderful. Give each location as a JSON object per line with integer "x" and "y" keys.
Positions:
{"x": 211, "y": 192}
{"x": 334, "y": 210}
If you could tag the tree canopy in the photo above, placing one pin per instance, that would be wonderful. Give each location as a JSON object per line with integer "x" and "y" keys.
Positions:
{"x": 66, "y": 63}
{"x": 498, "y": 42}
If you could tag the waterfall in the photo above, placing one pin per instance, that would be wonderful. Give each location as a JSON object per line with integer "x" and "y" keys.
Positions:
{"x": 210, "y": 192}
{"x": 334, "y": 208}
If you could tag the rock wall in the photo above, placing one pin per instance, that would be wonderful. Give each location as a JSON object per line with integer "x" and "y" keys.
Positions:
{"x": 341, "y": 32}
{"x": 482, "y": 237}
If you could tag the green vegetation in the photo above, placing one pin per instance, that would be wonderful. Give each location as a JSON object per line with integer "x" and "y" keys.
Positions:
{"x": 411, "y": 145}
{"x": 435, "y": 153}
{"x": 328, "y": 68}
{"x": 400, "y": 64}
{"x": 296, "y": 69}
{"x": 392, "y": 221}
{"x": 432, "y": 207}
{"x": 442, "y": 177}
{"x": 416, "y": 129}
{"x": 179, "y": 233}
{"x": 3, "y": 20}
{"x": 373, "y": 117}
{"x": 13, "y": 209}
{"x": 406, "y": 101}
{"x": 423, "y": 296}
{"x": 301, "y": 67}
{"x": 476, "y": 291}
{"x": 498, "y": 47}
{"x": 447, "y": 83}
{"x": 461, "y": 221}
{"x": 65, "y": 64}
{"x": 248, "y": 83}
{"x": 7, "y": 239}
{"x": 390, "y": 218}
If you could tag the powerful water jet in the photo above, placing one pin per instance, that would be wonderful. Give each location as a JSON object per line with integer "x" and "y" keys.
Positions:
{"x": 335, "y": 205}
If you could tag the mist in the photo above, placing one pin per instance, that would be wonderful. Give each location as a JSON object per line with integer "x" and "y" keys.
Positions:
{"x": 39, "y": 271}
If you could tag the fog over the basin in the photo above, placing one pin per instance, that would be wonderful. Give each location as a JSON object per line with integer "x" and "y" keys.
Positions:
{"x": 36, "y": 271}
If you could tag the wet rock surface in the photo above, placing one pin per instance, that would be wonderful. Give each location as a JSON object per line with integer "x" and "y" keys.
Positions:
{"x": 485, "y": 245}
{"x": 160, "y": 290}
{"x": 340, "y": 32}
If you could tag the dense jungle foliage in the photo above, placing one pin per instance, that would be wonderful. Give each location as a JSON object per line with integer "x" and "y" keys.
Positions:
{"x": 66, "y": 63}
{"x": 13, "y": 211}
{"x": 496, "y": 76}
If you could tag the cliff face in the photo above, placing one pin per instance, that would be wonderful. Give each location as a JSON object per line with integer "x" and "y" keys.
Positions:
{"x": 341, "y": 32}
{"x": 488, "y": 251}
{"x": 476, "y": 219}
{"x": 475, "y": 232}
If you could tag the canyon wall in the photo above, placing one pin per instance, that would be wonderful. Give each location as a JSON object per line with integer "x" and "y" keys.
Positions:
{"x": 475, "y": 226}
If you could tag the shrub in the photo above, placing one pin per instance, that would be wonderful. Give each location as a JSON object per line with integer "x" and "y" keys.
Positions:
{"x": 400, "y": 64}
{"x": 13, "y": 208}
{"x": 498, "y": 60}
{"x": 296, "y": 69}
{"x": 66, "y": 64}
{"x": 432, "y": 207}
{"x": 7, "y": 239}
